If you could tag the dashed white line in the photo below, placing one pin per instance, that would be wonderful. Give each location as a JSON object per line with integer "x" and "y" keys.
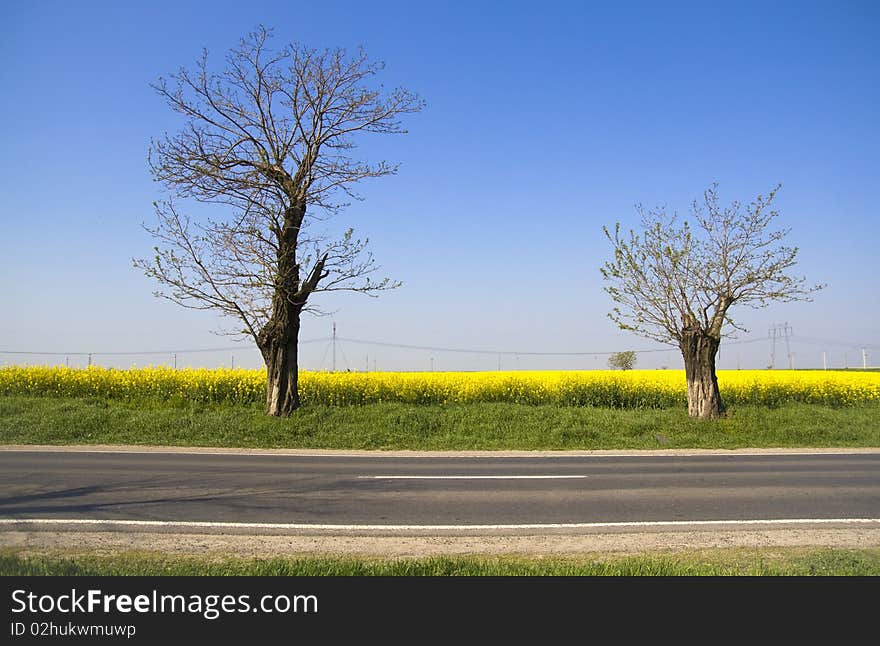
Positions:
{"x": 501, "y": 477}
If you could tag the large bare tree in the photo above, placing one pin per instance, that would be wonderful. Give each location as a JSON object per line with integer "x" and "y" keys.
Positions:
{"x": 268, "y": 142}
{"x": 677, "y": 286}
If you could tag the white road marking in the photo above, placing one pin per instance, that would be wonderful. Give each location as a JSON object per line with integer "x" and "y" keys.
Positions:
{"x": 174, "y": 524}
{"x": 511, "y": 477}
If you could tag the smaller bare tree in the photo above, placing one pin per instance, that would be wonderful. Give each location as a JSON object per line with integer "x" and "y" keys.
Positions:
{"x": 622, "y": 360}
{"x": 677, "y": 286}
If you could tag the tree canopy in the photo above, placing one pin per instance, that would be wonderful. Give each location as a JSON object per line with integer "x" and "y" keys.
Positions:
{"x": 622, "y": 360}
{"x": 271, "y": 137}
{"x": 670, "y": 277}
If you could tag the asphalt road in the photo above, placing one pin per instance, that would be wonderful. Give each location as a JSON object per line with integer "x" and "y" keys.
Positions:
{"x": 381, "y": 491}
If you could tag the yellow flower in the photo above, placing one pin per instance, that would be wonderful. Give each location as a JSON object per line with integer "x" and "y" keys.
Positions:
{"x": 629, "y": 389}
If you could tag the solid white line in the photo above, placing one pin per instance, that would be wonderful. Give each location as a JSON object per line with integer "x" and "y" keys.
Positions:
{"x": 548, "y": 477}
{"x": 343, "y": 527}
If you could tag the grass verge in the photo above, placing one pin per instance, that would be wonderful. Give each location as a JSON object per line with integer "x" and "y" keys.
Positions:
{"x": 489, "y": 426}
{"x": 732, "y": 562}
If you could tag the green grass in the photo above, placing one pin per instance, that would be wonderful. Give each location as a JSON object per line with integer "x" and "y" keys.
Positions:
{"x": 491, "y": 426}
{"x": 733, "y": 562}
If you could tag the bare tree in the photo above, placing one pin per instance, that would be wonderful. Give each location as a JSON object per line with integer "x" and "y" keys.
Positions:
{"x": 268, "y": 142}
{"x": 622, "y": 360}
{"x": 677, "y": 286}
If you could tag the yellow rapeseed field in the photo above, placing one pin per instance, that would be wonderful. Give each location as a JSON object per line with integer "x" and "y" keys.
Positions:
{"x": 617, "y": 389}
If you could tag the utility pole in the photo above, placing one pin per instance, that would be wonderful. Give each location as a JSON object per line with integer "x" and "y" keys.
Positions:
{"x": 175, "y": 360}
{"x": 432, "y": 364}
{"x": 784, "y": 330}
{"x": 334, "y": 346}
{"x": 864, "y": 359}
{"x": 788, "y": 349}
{"x": 233, "y": 362}
{"x": 90, "y": 359}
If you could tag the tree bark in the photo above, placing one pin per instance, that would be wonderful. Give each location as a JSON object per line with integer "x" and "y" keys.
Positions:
{"x": 699, "y": 349}
{"x": 279, "y": 338}
{"x": 282, "y": 371}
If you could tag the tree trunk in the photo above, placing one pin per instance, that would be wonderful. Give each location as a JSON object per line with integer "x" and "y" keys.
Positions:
{"x": 699, "y": 350}
{"x": 282, "y": 371}
{"x": 279, "y": 337}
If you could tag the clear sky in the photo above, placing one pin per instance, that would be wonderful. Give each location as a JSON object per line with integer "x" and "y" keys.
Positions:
{"x": 544, "y": 122}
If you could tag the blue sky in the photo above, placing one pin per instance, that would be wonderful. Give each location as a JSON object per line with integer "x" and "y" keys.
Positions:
{"x": 543, "y": 123}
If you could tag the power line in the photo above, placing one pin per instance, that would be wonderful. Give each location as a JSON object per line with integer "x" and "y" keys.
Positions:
{"x": 331, "y": 343}
{"x": 123, "y": 353}
{"x": 848, "y": 344}
{"x": 405, "y": 346}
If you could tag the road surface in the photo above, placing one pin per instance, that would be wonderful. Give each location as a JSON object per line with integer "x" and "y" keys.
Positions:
{"x": 325, "y": 492}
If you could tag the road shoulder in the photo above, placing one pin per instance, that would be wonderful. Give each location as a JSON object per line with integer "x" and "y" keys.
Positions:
{"x": 268, "y": 546}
